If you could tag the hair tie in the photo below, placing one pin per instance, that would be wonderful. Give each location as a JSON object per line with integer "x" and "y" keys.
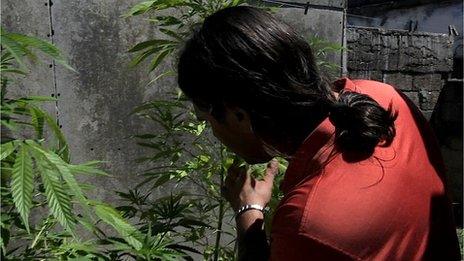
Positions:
{"x": 340, "y": 114}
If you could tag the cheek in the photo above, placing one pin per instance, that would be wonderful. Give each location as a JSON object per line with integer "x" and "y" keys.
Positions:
{"x": 221, "y": 134}
{"x": 246, "y": 145}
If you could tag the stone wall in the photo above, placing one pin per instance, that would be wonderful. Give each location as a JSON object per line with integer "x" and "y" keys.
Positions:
{"x": 416, "y": 63}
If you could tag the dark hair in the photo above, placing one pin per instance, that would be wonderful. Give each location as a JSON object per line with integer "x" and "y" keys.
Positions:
{"x": 243, "y": 56}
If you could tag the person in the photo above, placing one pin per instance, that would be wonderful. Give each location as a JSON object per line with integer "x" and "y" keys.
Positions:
{"x": 365, "y": 179}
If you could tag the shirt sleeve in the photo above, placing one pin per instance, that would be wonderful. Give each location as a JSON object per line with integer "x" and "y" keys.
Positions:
{"x": 299, "y": 247}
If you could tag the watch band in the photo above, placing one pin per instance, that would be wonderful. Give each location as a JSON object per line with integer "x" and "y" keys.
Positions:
{"x": 247, "y": 207}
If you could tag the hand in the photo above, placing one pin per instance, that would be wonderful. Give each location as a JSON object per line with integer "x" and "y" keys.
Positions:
{"x": 241, "y": 189}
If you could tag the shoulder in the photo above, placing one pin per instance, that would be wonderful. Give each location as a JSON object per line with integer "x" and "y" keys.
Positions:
{"x": 383, "y": 93}
{"x": 388, "y": 96}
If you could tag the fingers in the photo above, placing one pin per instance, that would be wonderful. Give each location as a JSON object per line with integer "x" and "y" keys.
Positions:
{"x": 272, "y": 169}
{"x": 241, "y": 188}
{"x": 236, "y": 176}
{"x": 233, "y": 173}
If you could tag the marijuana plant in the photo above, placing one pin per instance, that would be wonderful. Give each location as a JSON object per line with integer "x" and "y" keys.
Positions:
{"x": 37, "y": 175}
{"x": 184, "y": 155}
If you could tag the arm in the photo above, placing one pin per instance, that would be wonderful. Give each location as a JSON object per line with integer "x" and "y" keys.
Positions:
{"x": 252, "y": 242}
{"x": 241, "y": 189}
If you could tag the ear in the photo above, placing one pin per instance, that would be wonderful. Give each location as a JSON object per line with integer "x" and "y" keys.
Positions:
{"x": 239, "y": 115}
{"x": 239, "y": 118}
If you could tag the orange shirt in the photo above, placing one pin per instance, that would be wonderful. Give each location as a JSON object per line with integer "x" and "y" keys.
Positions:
{"x": 391, "y": 206}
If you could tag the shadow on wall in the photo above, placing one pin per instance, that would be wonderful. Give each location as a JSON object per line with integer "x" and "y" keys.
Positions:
{"x": 447, "y": 122}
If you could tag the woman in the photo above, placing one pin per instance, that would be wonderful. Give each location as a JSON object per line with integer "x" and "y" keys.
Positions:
{"x": 365, "y": 179}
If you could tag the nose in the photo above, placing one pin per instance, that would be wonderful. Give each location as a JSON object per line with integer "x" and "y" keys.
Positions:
{"x": 199, "y": 116}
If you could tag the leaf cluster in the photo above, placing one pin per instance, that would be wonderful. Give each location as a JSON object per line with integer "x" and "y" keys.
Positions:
{"x": 37, "y": 175}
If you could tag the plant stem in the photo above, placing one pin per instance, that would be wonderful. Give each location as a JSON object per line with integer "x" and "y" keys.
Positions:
{"x": 221, "y": 217}
{"x": 38, "y": 236}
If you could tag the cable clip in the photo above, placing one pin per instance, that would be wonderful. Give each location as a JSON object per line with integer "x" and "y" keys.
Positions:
{"x": 306, "y": 8}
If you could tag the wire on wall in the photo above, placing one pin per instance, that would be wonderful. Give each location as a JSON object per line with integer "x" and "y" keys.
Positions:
{"x": 305, "y": 6}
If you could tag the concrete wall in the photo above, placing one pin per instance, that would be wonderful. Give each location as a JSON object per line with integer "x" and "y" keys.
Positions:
{"x": 327, "y": 22}
{"x": 94, "y": 103}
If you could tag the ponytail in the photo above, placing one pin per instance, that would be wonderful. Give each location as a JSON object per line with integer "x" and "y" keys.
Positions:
{"x": 361, "y": 123}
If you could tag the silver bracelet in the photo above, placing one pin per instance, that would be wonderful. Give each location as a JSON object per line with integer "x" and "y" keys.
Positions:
{"x": 247, "y": 207}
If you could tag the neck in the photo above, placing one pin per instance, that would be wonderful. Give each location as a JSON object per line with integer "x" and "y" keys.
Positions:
{"x": 290, "y": 144}
{"x": 294, "y": 139}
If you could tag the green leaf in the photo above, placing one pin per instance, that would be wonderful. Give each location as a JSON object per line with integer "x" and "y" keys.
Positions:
{"x": 7, "y": 149}
{"x": 6, "y": 56}
{"x": 87, "y": 168}
{"x": 151, "y": 43}
{"x": 14, "y": 48}
{"x": 37, "y": 99}
{"x": 112, "y": 217}
{"x": 22, "y": 184}
{"x": 139, "y": 58}
{"x": 171, "y": 33}
{"x": 191, "y": 222}
{"x": 13, "y": 70}
{"x": 161, "y": 180}
{"x": 140, "y": 8}
{"x": 58, "y": 200}
{"x": 55, "y": 163}
{"x": 182, "y": 247}
{"x": 235, "y": 2}
{"x": 158, "y": 59}
{"x": 9, "y": 124}
{"x": 63, "y": 145}
{"x": 146, "y": 6}
{"x": 166, "y": 73}
{"x": 44, "y": 46}
{"x": 166, "y": 20}
{"x": 4, "y": 239}
{"x": 37, "y": 120}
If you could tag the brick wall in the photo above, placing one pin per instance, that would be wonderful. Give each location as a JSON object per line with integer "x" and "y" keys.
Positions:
{"x": 417, "y": 63}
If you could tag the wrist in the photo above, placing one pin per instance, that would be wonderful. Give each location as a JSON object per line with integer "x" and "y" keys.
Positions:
{"x": 247, "y": 207}
{"x": 247, "y": 219}
{"x": 248, "y": 201}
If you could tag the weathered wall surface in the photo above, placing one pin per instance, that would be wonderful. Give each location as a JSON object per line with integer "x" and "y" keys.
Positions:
{"x": 94, "y": 102}
{"x": 433, "y": 17}
{"x": 416, "y": 63}
{"x": 327, "y": 22}
{"x": 28, "y": 17}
